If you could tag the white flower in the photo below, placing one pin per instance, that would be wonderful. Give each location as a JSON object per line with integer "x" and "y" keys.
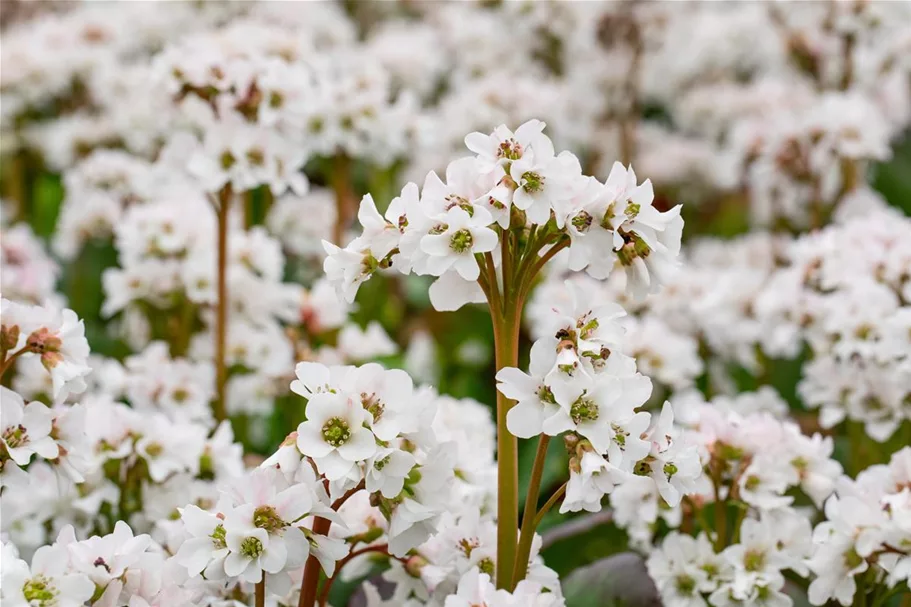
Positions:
{"x": 205, "y": 550}
{"x": 386, "y": 471}
{"x": 116, "y": 562}
{"x": 671, "y": 463}
{"x": 336, "y": 434}
{"x": 594, "y": 479}
{"x": 684, "y": 568}
{"x": 26, "y": 429}
{"x": 534, "y": 400}
{"x": 252, "y": 551}
{"x": 545, "y": 182}
{"x": 48, "y": 582}
{"x": 475, "y": 588}
{"x": 461, "y": 236}
{"x": 57, "y": 337}
{"x": 599, "y": 408}
{"x": 502, "y": 147}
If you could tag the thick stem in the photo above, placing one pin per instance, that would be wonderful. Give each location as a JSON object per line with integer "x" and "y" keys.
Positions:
{"x": 528, "y": 515}
{"x": 221, "y": 306}
{"x": 312, "y": 568}
{"x": 261, "y": 592}
{"x": 507, "y": 355}
{"x": 506, "y": 341}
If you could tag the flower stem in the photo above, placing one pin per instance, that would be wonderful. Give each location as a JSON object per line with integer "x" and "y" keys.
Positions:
{"x": 506, "y": 341}
{"x": 528, "y": 515}
{"x": 327, "y": 587}
{"x": 549, "y": 504}
{"x": 312, "y": 567}
{"x": 8, "y": 362}
{"x": 261, "y": 592}
{"x": 345, "y": 202}
{"x": 221, "y": 308}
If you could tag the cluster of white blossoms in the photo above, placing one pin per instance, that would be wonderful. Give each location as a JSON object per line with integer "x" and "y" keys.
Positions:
{"x": 754, "y": 461}
{"x": 29, "y": 273}
{"x": 581, "y": 386}
{"x": 867, "y": 532}
{"x": 514, "y": 181}
{"x": 208, "y": 160}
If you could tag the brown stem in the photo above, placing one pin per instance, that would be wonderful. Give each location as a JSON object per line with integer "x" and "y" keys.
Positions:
{"x": 8, "y": 362}
{"x": 345, "y": 202}
{"x": 324, "y": 594}
{"x": 261, "y": 592}
{"x": 549, "y": 504}
{"x": 338, "y": 503}
{"x": 312, "y": 567}
{"x": 221, "y": 306}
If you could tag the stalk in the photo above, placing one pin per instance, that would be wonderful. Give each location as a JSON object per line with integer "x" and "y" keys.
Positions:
{"x": 312, "y": 568}
{"x": 345, "y": 198}
{"x": 261, "y": 592}
{"x": 221, "y": 309}
{"x": 528, "y": 515}
{"x": 505, "y": 312}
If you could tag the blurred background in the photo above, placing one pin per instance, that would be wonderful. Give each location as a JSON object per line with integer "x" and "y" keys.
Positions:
{"x": 765, "y": 120}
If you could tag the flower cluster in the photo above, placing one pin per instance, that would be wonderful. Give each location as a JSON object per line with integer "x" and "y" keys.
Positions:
{"x": 866, "y": 532}
{"x": 581, "y": 385}
{"x": 515, "y": 182}
{"x": 753, "y": 462}
{"x": 186, "y": 183}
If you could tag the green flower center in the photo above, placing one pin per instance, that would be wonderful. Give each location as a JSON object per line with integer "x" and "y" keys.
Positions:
{"x": 670, "y": 470}
{"x": 467, "y": 545}
{"x": 533, "y": 182}
{"x": 251, "y": 547}
{"x": 381, "y": 463}
{"x": 486, "y": 566}
{"x": 373, "y": 405}
{"x": 265, "y": 517}
{"x": 634, "y": 247}
{"x": 546, "y": 395}
{"x": 218, "y": 537}
{"x": 227, "y": 160}
{"x": 39, "y": 592}
{"x": 369, "y": 264}
{"x": 583, "y": 410}
{"x": 754, "y": 560}
{"x": 461, "y": 241}
{"x": 582, "y": 221}
{"x": 619, "y": 436}
{"x": 587, "y": 329}
{"x": 509, "y": 149}
{"x": 15, "y": 436}
{"x": 454, "y": 200}
{"x": 852, "y": 559}
{"x": 685, "y": 584}
{"x": 632, "y": 211}
{"x": 256, "y": 157}
{"x": 336, "y": 432}
{"x": 642, "y": 468}
{"x": 154, "y": 449}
